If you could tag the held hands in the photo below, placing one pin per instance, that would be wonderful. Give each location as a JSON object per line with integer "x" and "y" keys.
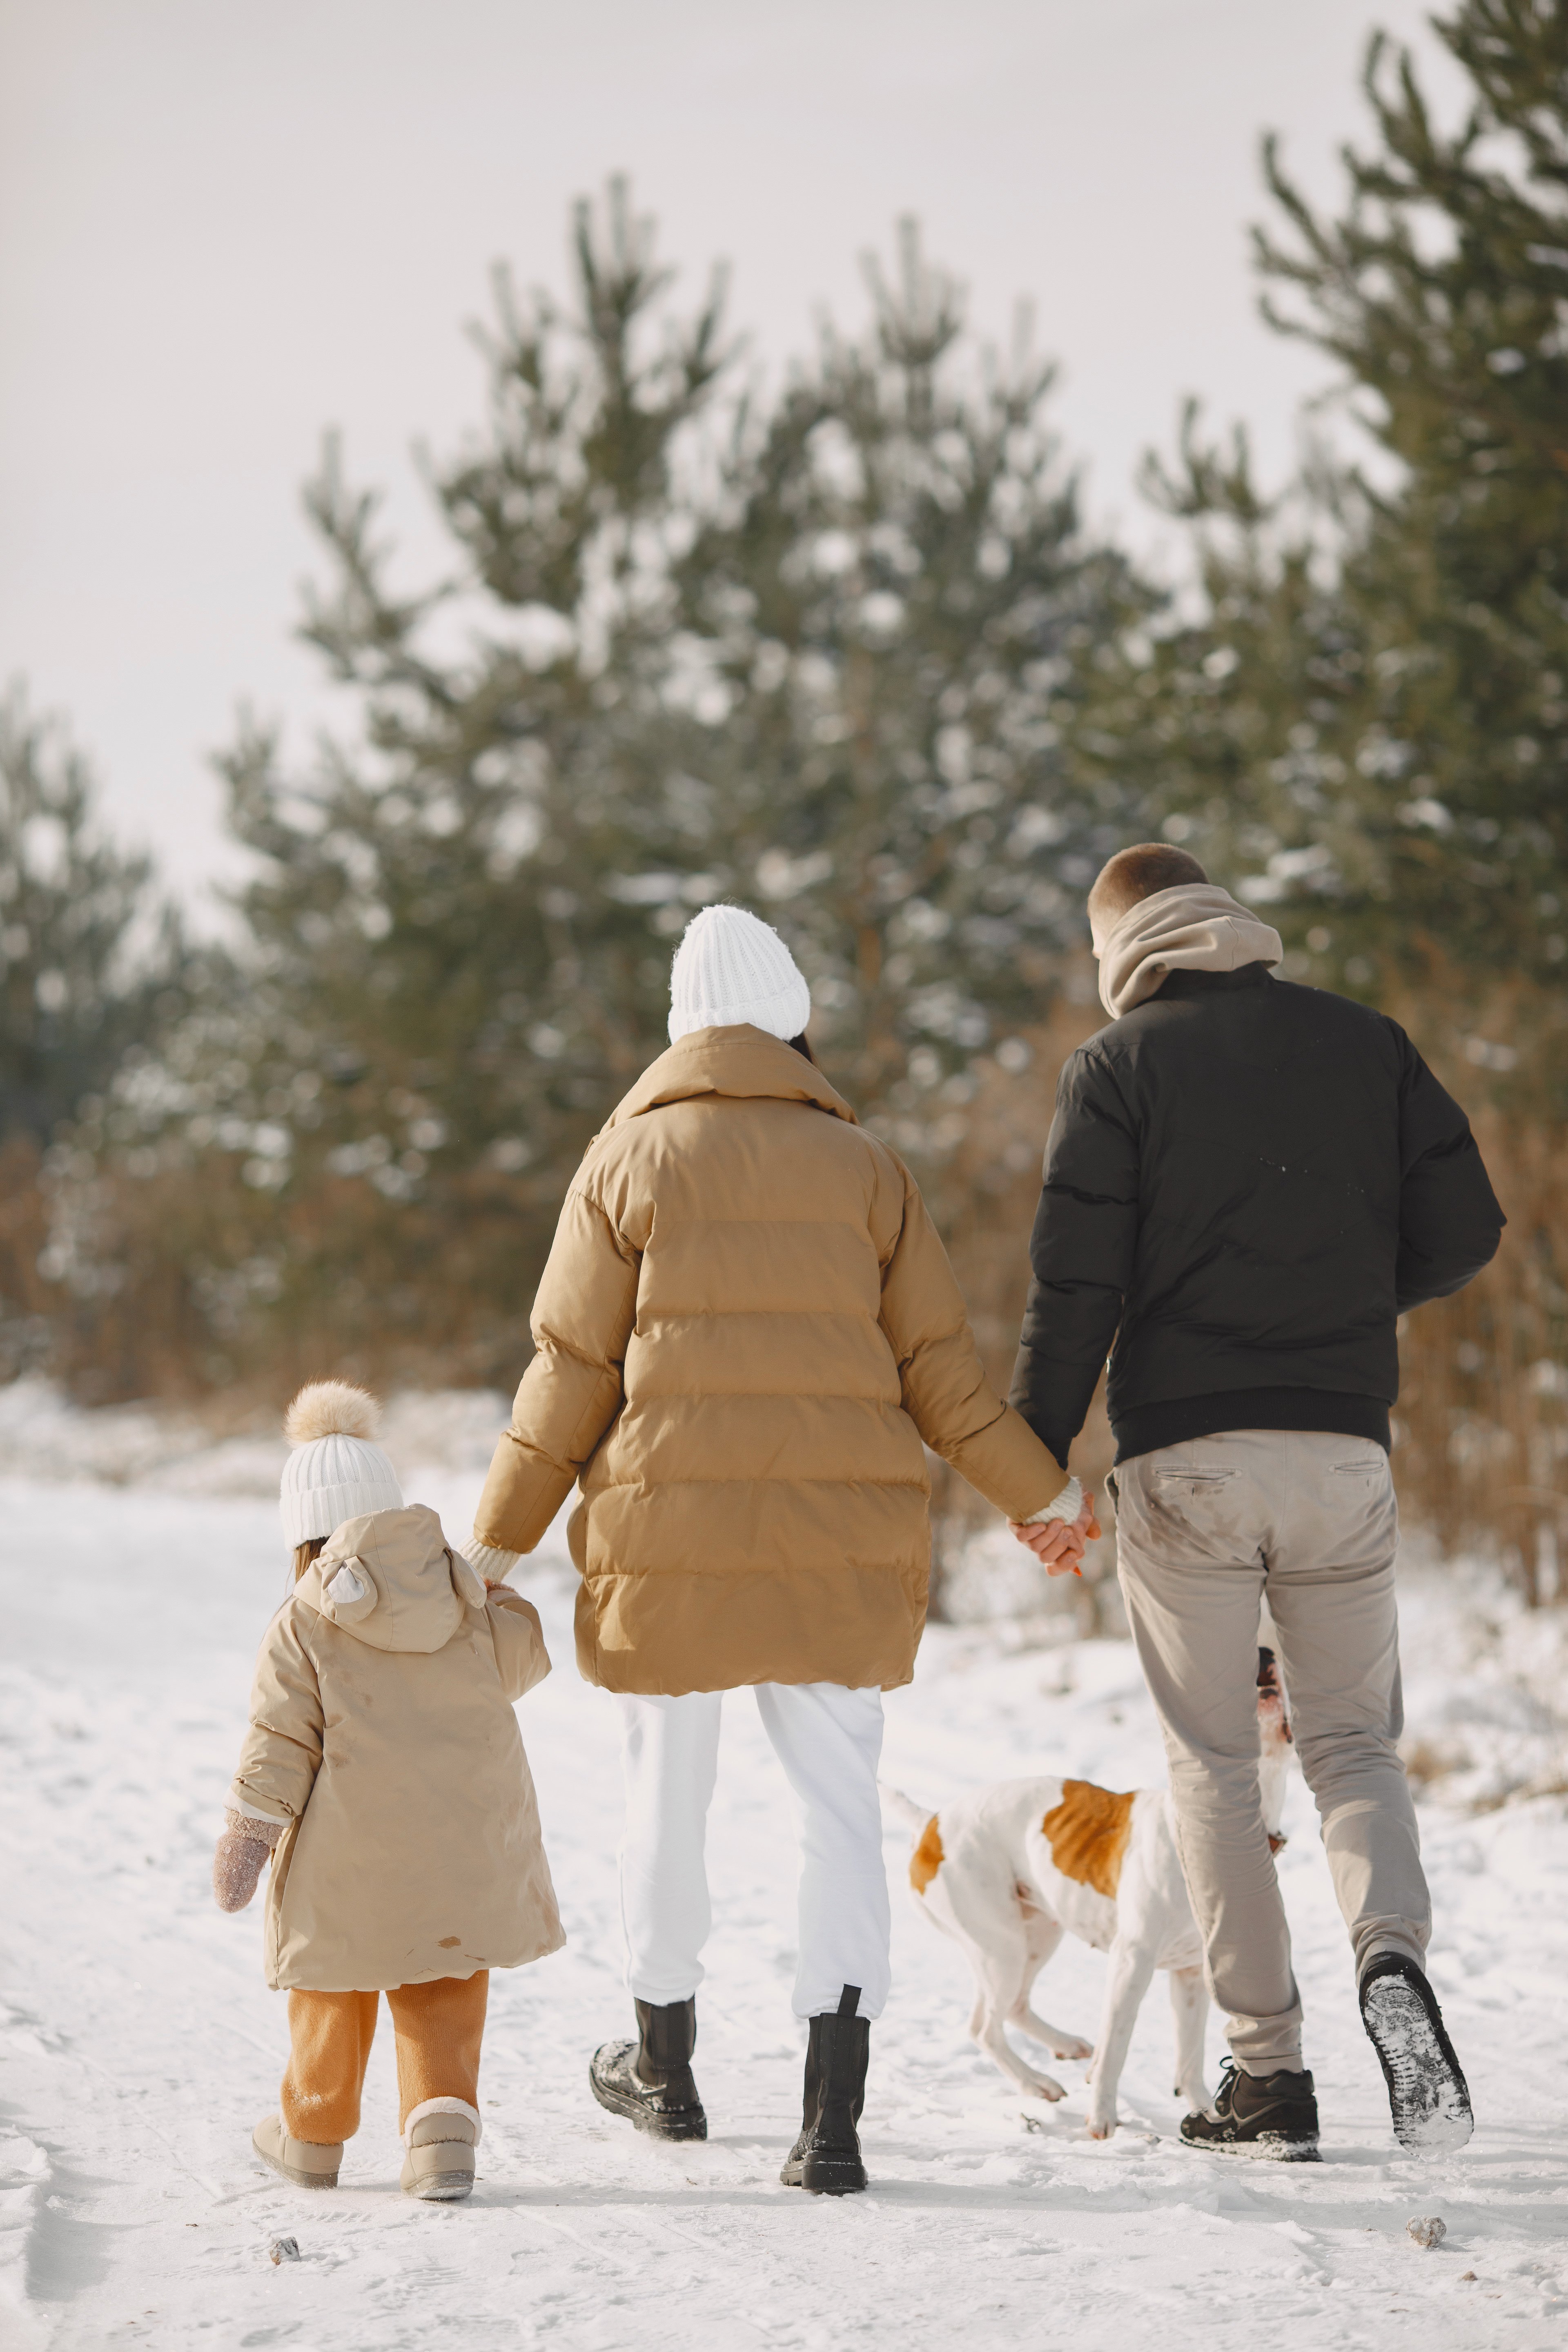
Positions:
{"x": 1057, "y": 1544}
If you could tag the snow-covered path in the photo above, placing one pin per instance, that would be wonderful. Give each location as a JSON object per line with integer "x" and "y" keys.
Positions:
{"x": 140, "y": 2045}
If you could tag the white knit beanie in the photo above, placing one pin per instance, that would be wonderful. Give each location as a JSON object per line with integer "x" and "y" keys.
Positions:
{"x": 334, "y": 1473}
{"x": 731, "y": 967}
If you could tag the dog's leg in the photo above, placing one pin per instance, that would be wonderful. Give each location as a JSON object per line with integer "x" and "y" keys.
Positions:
{"x": 999, "y": 1975}
{"x": 981, "y": 1910}
{"x": 1132, "y": 1965}
{"x": 1190, "y": 2008}
{"x": 1045, "y": 1935}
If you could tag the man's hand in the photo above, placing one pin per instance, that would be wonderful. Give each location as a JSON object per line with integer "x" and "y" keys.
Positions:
{"x": 1057, "y": 1544}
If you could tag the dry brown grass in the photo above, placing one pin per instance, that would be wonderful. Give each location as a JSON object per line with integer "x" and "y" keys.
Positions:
{"x": 170, "y": 1297}
{"x": 985, "y": 1202}
{"x": 1481, "y": 1455}
{"x": 25, "y": 1304}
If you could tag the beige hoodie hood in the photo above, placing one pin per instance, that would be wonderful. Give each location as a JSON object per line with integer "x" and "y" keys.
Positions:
{"x": 391, "y": 1578}
{"x": 1194, "y": 928}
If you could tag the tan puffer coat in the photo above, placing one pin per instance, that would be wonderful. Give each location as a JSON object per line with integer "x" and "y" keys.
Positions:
{"x": 746, "y": 1326}
{"x": 382, "y": 1729}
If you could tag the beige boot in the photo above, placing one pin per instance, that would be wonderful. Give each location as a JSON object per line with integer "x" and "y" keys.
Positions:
{"x": 307, "y": 2163}
{"x": 440, "y": 2136}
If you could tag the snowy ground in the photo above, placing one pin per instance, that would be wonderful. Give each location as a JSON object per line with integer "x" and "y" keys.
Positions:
{"x": 140, "y": 2045}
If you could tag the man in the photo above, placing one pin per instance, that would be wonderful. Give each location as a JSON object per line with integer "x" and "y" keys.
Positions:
{"x": 1247, "y": 1183}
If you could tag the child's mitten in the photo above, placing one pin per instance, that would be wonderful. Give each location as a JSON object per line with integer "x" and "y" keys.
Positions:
{"x": 243, "y": 1848}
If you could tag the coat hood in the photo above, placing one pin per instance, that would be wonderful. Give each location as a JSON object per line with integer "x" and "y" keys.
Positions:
{"x": 741, "y": 1061}
{"x": 1194, "y": 928}
{"x": 392, "y": 1580}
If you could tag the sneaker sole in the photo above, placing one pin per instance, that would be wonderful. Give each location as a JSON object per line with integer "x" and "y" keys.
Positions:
{"x": 614, "y": 2103}
{"x": 1427, "y": 2095}
{"x": 1269, "y": 2146}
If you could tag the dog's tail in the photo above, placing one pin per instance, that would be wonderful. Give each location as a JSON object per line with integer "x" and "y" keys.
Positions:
{"x": 902, "y": 1809}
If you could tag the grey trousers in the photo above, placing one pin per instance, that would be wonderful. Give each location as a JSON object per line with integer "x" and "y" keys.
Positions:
{"x": 1204, "y": 1531}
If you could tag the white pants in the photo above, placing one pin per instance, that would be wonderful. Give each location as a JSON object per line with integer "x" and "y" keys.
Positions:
{"x": 829, "y": 1740}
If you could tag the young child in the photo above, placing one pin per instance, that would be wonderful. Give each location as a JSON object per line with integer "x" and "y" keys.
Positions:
{"x": 384, "y": 1774}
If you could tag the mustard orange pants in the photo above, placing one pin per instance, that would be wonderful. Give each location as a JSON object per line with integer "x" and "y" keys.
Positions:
{"x": 438, "y": 2029}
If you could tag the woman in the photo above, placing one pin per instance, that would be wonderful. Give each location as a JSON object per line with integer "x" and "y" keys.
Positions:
{"x": 746, "y": 1328}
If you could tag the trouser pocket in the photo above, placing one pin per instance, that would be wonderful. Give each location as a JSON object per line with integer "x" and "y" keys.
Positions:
{"x": 1194, "y": 1486}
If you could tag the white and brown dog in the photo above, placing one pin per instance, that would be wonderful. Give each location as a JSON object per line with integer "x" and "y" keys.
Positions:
{"x": 1006, "y": 1872}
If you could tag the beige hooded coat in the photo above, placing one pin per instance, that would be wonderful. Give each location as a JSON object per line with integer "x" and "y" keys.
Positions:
{"x": 746, "y": 1328}
{"x": 382, "y": 1729}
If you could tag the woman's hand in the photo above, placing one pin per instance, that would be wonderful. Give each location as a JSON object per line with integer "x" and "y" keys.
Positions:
{"x": 1057, "y": 1544}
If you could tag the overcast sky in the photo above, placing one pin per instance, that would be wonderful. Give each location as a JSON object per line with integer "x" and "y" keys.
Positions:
{"x": 227, "y": 223}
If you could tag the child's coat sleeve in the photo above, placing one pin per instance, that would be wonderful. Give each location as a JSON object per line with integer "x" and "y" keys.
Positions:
{"x": 283, "y": 1750}
{"x": 519, "y": 1638}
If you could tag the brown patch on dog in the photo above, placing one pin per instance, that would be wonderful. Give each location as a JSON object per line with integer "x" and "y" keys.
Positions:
{"x": 927, "y": 1857}
{"x": 1268, "y": 1682}
{"x": 1275, "y": 1840}
{"x": 1088, "y": 1834}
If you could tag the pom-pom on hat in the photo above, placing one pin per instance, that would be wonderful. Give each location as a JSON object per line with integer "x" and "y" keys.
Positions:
{"x": 336, "y": 1471}
{"x": 731, "y": 967}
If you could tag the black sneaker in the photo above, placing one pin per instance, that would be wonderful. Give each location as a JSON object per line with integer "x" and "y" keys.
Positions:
{"x": 826, "y": 2159}
{"x": 1428, "y": 2095}
{"x": 650, "y": 2080}
{"x": 1258, "y": 2114}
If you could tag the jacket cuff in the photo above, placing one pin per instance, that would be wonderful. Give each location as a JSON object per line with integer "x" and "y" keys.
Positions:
{"x": 256, "y": 1829}
{"x": 493, "y": 1565}
{"x": 1066, "y": 1505}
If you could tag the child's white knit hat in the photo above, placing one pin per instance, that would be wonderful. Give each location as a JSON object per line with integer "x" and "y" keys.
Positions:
{"x": 731, "y": 967}
{"x": 335, "y": 1472}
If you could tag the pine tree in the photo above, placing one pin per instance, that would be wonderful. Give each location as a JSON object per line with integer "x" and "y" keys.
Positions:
{"x": 899, "y": 608}
{"x": 86, "y": 948}
{"x": 92, "y": 970}
{"x": 1443, "y": 291}
{"x": 1369, "y": 720}
{"x": 819, "y": 653}
{"x": 455, "y": 977}
{"x": 1365, "y": 723}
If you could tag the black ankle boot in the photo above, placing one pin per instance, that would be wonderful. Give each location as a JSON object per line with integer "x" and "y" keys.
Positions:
{"x": 826, "y": 2159}
{"x": 650, "y": 2079}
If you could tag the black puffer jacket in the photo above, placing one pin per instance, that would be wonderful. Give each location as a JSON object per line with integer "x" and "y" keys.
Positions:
{"x": 1246, "y": 1182}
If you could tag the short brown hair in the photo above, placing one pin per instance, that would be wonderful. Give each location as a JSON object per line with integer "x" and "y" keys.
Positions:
{"x": 1138, "y": 873}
